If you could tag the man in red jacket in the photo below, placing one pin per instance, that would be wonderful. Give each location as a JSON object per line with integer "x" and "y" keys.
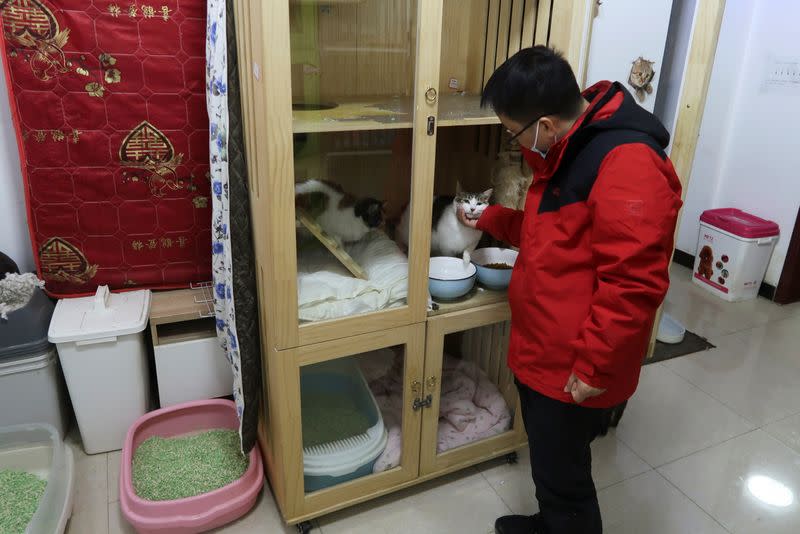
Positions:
{"x": 595, "y": 240}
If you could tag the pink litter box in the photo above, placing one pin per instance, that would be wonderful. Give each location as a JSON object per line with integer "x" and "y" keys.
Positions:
{"x": 194, "y": 514}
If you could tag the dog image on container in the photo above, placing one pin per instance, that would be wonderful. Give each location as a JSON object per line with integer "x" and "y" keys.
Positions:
{"x": 705, "y": 268}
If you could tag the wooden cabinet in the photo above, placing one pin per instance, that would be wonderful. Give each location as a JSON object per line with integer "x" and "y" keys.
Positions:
{"x": 381, "y": 99}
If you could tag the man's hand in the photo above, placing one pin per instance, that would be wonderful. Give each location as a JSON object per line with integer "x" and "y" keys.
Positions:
{"x": 581, "y": 390}
{"x": 462, "y": 218}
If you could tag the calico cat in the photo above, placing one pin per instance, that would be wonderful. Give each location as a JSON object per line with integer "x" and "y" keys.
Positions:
{"x": 341, "y": 215}
{"x": 448, "y": 236}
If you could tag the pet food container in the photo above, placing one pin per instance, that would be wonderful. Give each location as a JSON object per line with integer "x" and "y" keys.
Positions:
{"x": 31, "y": 387}
{"x": 39, "y": 450}
{"x": 193, "y": 514}
{"x": 336, "y": 461}
{"x": 450, "y": 278}
{"x": 100, "y": 342}
{"x": 493, "y": 277}
{"x": 733, "y": 252}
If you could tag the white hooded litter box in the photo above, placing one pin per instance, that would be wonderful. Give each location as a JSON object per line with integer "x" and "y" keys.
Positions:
{"x": 38, "y": 449}
{"x": 101, "y": 346}
{"x": 31, "y": 389}
{"x": 733, "y": 252}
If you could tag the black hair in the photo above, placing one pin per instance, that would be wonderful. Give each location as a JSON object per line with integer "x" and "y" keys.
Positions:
{"x": 532, "y": 83}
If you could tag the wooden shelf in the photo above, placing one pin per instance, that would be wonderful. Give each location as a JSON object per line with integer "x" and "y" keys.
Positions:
{"x": 378, "y": 113}
{"x": 177, "y": 305}
{"x": 389, "y": 113}
{"x": 464, "y": 110}
{"x": 479, "y": 296}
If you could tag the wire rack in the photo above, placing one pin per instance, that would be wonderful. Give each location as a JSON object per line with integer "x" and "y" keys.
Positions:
{"x": 204, "y": 297}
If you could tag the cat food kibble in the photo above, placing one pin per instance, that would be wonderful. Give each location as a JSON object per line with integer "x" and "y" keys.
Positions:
{"x": 498, "y": 266}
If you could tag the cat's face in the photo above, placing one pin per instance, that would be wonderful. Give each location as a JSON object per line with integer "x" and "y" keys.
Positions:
{"x": 473, "y": 204}
{"x": 371, "y": 211}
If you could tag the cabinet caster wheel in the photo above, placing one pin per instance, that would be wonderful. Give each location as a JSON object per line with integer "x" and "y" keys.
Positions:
{"x": 512, "y": 458}
{"x": 305, "y": 527}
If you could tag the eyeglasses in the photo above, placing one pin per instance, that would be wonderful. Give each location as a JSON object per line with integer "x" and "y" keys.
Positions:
{"x": 515, "y": 136}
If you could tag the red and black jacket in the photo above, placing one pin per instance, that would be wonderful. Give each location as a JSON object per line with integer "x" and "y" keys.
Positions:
{"x": 595, "y": 240}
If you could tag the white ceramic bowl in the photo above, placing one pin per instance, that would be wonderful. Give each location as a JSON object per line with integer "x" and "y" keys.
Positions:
{"x": 450, "y": 278}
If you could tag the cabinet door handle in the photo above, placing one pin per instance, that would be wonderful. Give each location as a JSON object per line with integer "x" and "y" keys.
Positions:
{"x": 431, "y": 95}
{"x": 431, "y": 124}
{"x": 420, "y": 403}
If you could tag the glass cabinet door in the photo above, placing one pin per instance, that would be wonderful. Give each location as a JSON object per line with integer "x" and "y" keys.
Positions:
{"x": 352, "y": 80}
{"x": 358, "y": 426}
{"x": 473, "y": 411}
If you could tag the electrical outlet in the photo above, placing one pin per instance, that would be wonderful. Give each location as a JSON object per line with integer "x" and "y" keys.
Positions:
{"x": 783, "y": 72}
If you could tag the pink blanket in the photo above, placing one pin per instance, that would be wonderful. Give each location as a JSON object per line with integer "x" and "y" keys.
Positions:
{"x": 471, "y": 406}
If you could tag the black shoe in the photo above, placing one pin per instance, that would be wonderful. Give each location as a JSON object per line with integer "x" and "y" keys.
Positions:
{"x": 517, "y": 524}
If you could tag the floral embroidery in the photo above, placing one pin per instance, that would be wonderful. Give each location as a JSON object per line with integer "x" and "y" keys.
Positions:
{"x": 95, "y": 89}
{"x": 112, "y": 76}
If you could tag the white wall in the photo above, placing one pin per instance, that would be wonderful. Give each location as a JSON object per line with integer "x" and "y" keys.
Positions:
{"x": 748, "y": 153}
{"x": 14, "y": 238}
{"x": 622, "y": 31}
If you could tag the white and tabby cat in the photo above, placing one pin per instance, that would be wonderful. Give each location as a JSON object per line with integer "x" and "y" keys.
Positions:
{"x": 341, "y": 215}
{"x": 448, "y": 236}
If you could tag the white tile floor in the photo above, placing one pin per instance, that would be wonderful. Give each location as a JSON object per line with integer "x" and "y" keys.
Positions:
{"x": 682, "y": 461}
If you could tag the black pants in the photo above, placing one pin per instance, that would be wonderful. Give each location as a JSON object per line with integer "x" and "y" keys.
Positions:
{"x": 559, "y": 435}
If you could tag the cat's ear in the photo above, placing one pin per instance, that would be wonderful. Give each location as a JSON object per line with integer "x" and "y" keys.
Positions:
{"x": 458, "y": 187}
{"x": 487, "y": 193}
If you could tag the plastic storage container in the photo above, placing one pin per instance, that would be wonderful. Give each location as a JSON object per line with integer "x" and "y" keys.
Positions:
{"x": 38, "y": 449}
{"x": 31, "y": 388}
{"x": 338, "y": 461}
{"x": 733, "y": 253}
{"x": 101, "y": 346}
{"x": 192, "y": 514}
{"x": 190, "y": 363}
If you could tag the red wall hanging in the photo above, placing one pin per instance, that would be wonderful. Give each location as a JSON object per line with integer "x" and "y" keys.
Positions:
{"x": 108, "y": 99}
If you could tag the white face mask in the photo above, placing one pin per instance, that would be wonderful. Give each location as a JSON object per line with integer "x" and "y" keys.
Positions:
{"x": 536, "y": 138}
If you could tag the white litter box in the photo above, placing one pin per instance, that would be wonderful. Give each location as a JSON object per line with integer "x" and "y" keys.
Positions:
{"x": 101, "y": 346}
{"x": 336, "y": 461}
{"x": 38, "y": 449}
{"x": 31, "y": 388}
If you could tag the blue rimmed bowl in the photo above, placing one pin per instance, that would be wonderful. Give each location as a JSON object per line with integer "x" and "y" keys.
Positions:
{"x": 450, "y": 278}
{"x": 494, "y": 266}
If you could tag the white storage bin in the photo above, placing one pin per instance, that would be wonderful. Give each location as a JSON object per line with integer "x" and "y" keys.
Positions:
{"x": 733, "y": 253}
{"x": 190, "y": 363}
{"x": 101, "y": 346}
{"x": 38, "y": 449}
